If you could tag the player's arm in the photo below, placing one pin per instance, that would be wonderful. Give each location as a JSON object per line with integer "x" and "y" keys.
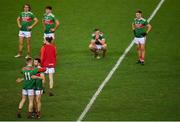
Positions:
{"x": 149, "y": 27}
{"x": 56, "y": 25}
{"x": 19, "y": 80}
{"x": 18, "y": 20}
{"x": 34, "y": 23}
{"x": 43, "y": 23}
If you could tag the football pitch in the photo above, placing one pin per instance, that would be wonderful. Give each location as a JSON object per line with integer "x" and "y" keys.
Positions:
{"x": 134, "y": 92}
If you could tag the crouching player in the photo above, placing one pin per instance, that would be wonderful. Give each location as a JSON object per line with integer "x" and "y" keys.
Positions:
{"x": 39, "y": 83}
{"x": 98, "y": 44}
{"x": 28, "y": 86}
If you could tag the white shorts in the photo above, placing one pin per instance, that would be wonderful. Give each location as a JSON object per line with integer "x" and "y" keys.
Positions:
{"x": 28, "y": 92}
{"x": 139, "y": 40}
{"x": 38, "y": 92}
{"x": 99, "y": 47}
{"x": 49, "y": 35}
{"x": 25, "y": 34}
{"x": 50, "y": 70}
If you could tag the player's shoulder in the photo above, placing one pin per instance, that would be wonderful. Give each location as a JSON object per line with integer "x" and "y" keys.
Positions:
{"x": 143, "y": 19}
{"x": 52, "y": 15}
{"x": 93, "y": 34}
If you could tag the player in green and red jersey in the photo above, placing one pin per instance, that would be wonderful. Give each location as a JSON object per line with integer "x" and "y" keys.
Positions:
{"x": 28, "y": 86}
{"x": 141, "y": 28}
{"x": 50, "y": 23}
{"x": 98, "y": 43}
{"x": 39, "y": 84}
{"x": 25, "y": 21}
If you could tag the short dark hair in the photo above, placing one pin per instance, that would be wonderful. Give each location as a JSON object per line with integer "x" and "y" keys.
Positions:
{"x": 38, "y": 59}
{"x": 48, "y": 7}
{"x": 28, "y": 6}
{"x": 139, "y": 11}
{"x": 49, "y": 39}
{"x": 96, "y": 29}
{"x": 28, "y": 60}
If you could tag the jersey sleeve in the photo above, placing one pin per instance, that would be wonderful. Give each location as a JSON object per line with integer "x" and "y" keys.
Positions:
{"x": 42, "y": 55}
{"x": 146, "y": 22}
{"x": 93, "y": 37}
{"x": 32, "y": 16}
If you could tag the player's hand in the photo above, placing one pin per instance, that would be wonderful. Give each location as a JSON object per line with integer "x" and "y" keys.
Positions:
{"x": 18, "y": 80}
{"x": 19, "y": 26}
{"x": 34, "y": 77}
{"x": 29, "y": 27}
{"x": 52, "y": 30}
{"x": 144, "y": 34}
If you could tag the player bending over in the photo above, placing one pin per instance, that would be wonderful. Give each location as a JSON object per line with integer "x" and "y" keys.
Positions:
{"x": 50, "y": 23}
{"x": 140, "y": 28}
{"x": 98, "y": 44}
{"x": 48, "y": 60}
{"x": 25, "y": 21}
{"x": 28, "y": 86}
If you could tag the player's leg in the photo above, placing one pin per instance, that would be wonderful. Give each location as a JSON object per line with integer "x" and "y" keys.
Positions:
{"x": 104, "y": 50}
{"x": 51, "y": 83}
{"x": 38, "y": 101}
{"x": 21, "y": 104}
{"x": 28, "y": 47}
{"x": 20, "y": 47}
{"x": 31, "y": 101}
{"x": 142, "y": 53}
{"x": 93, "y": 49}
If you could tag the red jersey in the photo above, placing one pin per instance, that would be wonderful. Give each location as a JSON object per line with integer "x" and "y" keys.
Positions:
{"x": 48, "y": 56}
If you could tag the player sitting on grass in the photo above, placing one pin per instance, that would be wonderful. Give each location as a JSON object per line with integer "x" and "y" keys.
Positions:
{"x": 48, "y": 60}
{"x": 39, "y": 83}
{"x": 28, "y": 86}
{"x": 141, "y": 28}
{"x": 98, "y": 43}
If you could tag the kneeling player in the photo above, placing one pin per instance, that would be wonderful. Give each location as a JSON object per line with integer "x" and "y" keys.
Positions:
{"x": 98, "y": 44}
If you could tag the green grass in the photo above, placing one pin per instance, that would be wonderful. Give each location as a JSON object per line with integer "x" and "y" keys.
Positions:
{"x": 135, "y": 92}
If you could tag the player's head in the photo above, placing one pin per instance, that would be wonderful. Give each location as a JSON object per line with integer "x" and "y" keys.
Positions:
{"x": 48, "y": 39}
{"x": 96, "y": 31}
{"x": 29, "y": 61}
{"x": 37, "y": 62}
{"x": 48, "y": 9}
{"x": 27, "y": 7}
{"x": 138, "y": 14}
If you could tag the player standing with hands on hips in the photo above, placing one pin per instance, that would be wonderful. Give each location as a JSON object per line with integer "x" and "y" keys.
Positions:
{"x": 141, "y": 28}
{"x": 25, "y": 21}
{"x": 50, "y": 23}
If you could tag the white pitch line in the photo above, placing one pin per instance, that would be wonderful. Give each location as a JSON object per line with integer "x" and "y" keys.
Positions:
{"x": 108, "y": 77}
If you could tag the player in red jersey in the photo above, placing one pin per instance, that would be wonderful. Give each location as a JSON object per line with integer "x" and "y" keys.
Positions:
{"x": 48, "y": 60}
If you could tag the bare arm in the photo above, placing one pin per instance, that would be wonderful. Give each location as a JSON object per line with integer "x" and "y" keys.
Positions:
{"x": 133, "y": 27}
{"x": 18, "y": 20}
{"x": 35, "y": 22}
{"x": 56, "y": 26}
{"x": 149, "y": 27}
{"x": 19, "y": 80}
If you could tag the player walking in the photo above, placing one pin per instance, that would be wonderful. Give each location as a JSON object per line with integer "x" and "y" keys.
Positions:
{"x": 141, "y": 28}
{"x": 25, "y": 21}
{"x": 48, "y": 60}
{"x": 50, "y": 23}
{"x": 98, "y": 43}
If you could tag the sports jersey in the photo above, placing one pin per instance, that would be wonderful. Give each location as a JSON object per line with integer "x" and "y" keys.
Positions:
{"x": 48, "y": 56}
{"x": 140, "y": 27}
{"x": 38, "y": 82}
{"x": 26, "y": 19}
{"x": 98, "y": 38}
{"x": 28, "y": 81}
{"x": 49, "y": 21}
